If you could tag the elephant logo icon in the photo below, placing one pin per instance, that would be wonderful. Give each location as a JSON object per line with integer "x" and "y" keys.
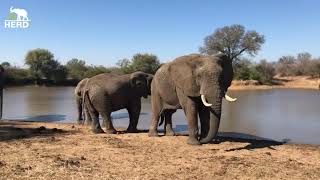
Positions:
{"x": 21, "y": 14}
{"x": 17, "y": 18}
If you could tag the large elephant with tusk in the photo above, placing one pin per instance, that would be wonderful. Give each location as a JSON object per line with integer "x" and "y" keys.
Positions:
{"x": 196, "y": 84}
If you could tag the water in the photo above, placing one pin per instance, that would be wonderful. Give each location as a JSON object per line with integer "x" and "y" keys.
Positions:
{"x": 278, "y": 114}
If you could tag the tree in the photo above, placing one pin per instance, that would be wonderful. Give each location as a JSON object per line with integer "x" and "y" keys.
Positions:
{"x": 147, "y": 63}
{"x": 43, "y": 65}
{"x": 60, "y": 73}
{"x": 314, "y": 68}
{"x": 39, "y": 61}
{"x": 233, "y": 41}
{"x": 242, "y": 69}
{"x": 125, "y": 65}
{"x": 286, "y": 66}
{"x": 95, "y": 70}
{"x": 266, "y": 72}
{"x": 76, "y": 68}
{"x": 5, "y": 64}
{"x": 303, "y": 61}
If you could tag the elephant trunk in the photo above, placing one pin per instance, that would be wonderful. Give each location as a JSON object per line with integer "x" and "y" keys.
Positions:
{"x": 213, "y": 124}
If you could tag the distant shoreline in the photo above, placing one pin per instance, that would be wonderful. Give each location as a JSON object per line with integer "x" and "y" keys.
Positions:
{"x": 294, "y": 82}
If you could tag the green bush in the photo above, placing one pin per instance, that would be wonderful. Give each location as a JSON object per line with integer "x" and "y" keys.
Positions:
{"x": 265, "y": 71}
{"x": 147, "y": 63}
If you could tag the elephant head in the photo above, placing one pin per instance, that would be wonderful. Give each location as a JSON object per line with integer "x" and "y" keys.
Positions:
{"x": 207, "y": 79}
{"x": 142, "y": 83}
{"x": 1, "y": 89}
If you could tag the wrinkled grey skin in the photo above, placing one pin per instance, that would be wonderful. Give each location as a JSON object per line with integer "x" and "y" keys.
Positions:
{"x": 107, "y": 93}
{"x": 179, "y": 85}
{"x": 78, "y": 92}
{"x": 1, "y": 90}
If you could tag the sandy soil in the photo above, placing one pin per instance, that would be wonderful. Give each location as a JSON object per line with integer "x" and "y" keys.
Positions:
{"x": 299, "y": 82}
{"x": 67, "y": 151}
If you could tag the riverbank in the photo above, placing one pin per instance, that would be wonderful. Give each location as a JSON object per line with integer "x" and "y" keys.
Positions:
{"x": 293, "y": 82}
{"x": 64, "y": 151}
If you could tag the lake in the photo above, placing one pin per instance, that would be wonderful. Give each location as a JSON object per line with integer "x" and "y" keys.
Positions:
{"x": 291, "y": 115}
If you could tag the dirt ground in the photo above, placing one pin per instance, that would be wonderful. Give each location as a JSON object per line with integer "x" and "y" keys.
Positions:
{"x": 67, "y": 151}
{"x": 298, "y": 82}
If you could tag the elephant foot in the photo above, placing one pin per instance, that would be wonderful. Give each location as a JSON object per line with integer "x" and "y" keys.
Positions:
{"x": 111, "y": 131}
{"x": 88, "y": 122}
{"x": 80, "y": 122}
{"x": 170, "y": 133}
{"x": 97, "y": 131}
{"x": 193, "y": 141}
{"x": 132, "y": 130}
{"x": 153, "y": 134}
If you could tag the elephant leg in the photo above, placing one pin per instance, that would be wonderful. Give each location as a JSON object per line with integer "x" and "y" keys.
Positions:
{"x": 204, "y": 114}
{"x": 88, "y": 119}
{"x": 104, "y": 109}
{"x": 79, "y": 108}
{"x": 156, "y": 110}
{"x": 168, "y": 123}
{"x": 91, "y": 107}
{"x": 96, "y": 128}
{"x": 134, "y": 113}
{"x": 190, "y": 110}
{"x": 108, "y": 123}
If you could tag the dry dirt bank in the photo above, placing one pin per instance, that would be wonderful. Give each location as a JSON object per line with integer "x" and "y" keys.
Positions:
{"x": 299, "y": 82}
{"x": 66, "y": 151}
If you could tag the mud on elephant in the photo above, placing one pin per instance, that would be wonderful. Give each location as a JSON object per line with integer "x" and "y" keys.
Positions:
{"x": 196, "y": 84}
{"x": 106, "y": 93}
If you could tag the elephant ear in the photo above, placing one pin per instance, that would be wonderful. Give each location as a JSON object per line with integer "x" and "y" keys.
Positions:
{"x": 186, "y": 78}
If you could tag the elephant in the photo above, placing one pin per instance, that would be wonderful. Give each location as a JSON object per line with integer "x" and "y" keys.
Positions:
{"x": 78, "y": 92}
{"x": 195, "y": 83}
{"x": 104, "y": 94}
{"x": 2, "y": 79}
{"x": 22, "y": 14}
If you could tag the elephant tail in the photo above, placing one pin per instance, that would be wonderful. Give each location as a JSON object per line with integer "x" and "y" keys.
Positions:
{"x": 86, "y": 103}
{"x": 162, "y": 118}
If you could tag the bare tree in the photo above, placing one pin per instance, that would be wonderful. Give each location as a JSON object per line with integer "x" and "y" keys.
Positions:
{"x": 233, "y": 41}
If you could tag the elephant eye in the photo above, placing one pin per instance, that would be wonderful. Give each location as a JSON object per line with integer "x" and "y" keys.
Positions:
{"x": 139, "y": 83}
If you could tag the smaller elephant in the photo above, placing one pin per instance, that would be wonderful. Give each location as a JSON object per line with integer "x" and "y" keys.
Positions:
{"x": 105, "y": 93}
{"x": 78, "y": 92}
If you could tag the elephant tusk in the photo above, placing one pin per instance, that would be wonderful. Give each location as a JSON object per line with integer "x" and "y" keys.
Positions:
{"x": 230, "y": 99}
{"x": 204, "y": 101}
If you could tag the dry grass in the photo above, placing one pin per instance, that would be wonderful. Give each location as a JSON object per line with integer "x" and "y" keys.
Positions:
{"x": 73, "y": 152}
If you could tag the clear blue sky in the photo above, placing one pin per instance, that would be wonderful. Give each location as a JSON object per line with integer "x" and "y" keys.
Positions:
{"x": 104, "y": 31}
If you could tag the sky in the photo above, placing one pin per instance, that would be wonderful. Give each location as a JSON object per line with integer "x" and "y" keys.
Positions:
{"x": 103, "y": 31}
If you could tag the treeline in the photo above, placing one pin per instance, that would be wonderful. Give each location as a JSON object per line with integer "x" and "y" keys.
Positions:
{"x": 44, "y": 69}
{"x": 303, "y": 64}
